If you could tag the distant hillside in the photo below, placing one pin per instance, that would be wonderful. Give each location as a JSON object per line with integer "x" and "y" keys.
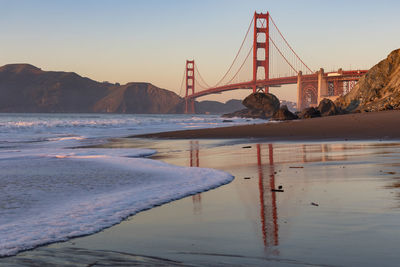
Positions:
{"x": 26, "y": 88}
{"x": 215, "y": 107}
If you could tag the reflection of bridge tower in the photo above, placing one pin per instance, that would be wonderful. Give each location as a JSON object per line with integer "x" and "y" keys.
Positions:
{"x": 195, "y": 162}
{"x": 268, "y": 208}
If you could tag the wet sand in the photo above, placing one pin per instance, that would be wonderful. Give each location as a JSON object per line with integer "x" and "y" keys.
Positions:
{"x": 360, "y": 126}
{"x": 353, "y": 222}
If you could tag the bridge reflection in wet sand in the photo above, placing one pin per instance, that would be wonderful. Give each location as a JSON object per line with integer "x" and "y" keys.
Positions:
{"x": 267, "y": 197}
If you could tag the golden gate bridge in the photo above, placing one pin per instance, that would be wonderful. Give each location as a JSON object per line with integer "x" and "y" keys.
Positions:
{"x": 273, "y": 63}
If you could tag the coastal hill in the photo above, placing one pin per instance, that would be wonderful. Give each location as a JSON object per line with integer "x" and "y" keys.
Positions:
{"x": 26, "y": 88}
{"x": 378, "y": 89}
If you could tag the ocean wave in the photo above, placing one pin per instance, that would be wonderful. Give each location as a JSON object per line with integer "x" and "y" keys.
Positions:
{"x": 52, "y": 216}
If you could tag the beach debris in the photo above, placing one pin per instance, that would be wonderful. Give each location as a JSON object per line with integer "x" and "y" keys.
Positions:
{"x": 314, "y": 204}
{"x": 277, "y": 190}
{"x": 296, "y": 167}
{"x": 246, "y": 146}
{"x": 247, "y": 178}
{"x": 280, "y": 189}
{"x": 227, "y": 121}
{"x": 390, "y": 172}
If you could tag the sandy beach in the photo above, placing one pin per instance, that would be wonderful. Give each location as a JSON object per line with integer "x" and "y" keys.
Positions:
{"x": 359, "y": 126}
{"x": 337, "y": 197}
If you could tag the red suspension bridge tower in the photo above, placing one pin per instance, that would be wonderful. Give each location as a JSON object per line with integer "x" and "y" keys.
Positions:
{"x": 189, "y": 86}
{"x": 261, "y": 44}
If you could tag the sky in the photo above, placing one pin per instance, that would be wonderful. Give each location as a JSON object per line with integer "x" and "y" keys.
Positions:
{"x": 150, "y": 40}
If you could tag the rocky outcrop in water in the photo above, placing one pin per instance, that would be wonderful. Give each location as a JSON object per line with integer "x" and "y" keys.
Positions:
{"x": 246, "y": 113}
{"x": 265, "y": 102}
{"x": 378, "y": 89}
{"x": 258, "y": 106}
{"x": 283, "y": 114}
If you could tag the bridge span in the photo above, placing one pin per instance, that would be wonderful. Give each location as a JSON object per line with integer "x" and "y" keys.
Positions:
{"x": 271, "y": 55}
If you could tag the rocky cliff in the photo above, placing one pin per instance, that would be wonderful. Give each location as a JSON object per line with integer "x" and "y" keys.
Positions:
{"x": 26, "y": 88}
{"x": 378, "y": 89}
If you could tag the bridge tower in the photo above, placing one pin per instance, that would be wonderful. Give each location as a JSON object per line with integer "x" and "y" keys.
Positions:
{"x": 261, "y": 42}
{"x": 189, "y": 102}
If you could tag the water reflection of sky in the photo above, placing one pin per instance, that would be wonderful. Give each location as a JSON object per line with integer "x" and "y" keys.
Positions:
{"x": 336, "y": 196}
{"x": 355, "y": 185}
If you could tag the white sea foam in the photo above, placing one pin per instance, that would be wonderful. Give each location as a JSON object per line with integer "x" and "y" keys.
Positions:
{"x": 151, "y": 183}
{"x": 50, "y": 192}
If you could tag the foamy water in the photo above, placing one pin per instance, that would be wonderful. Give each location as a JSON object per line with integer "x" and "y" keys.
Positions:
{"x": 50, "y": 192}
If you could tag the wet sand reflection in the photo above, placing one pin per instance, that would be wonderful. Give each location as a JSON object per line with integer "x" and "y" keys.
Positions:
{"x": 194, "y": 161}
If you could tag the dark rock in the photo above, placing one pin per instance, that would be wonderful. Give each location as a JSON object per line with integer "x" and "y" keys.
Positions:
{"x": 309, "y": 113}
{"x": 283, "y": 114}
{"x": 227, "y": 121}
{"x": 266, "y": 102}
{"x": 327, "y": 108}
{"x": 247, "y": 113}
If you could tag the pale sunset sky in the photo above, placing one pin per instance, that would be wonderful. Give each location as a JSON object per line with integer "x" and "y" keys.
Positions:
{"x": 150, "y": 40}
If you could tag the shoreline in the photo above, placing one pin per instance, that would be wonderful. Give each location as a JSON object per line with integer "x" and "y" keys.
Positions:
{"x": 244, "y": 222}
{"x": 358, "y": 126}
{"x": 248, "y": 201}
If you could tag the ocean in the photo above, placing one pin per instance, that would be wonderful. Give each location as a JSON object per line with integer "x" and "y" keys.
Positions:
{"x": 52, "y": 188}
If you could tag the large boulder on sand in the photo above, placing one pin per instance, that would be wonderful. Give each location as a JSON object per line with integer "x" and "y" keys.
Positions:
{"x": 309, "y": 113}
{"x": 266, "y": 102}
{"x": 327, "y": 108}
{"x": 283, "y": 114}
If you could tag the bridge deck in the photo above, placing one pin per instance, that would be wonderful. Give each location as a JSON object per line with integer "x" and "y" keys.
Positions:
{"x": 344, "y": 76}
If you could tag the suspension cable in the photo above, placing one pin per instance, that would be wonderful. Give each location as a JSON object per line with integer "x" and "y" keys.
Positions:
{"x": 183, "y": 79}
{"x": 287, "y": 61}
{"x": 201, "y": 77}
{"x": 237, "y": 54}
{"x": 234, "y": 76}
{"x": 289, "y": 44}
